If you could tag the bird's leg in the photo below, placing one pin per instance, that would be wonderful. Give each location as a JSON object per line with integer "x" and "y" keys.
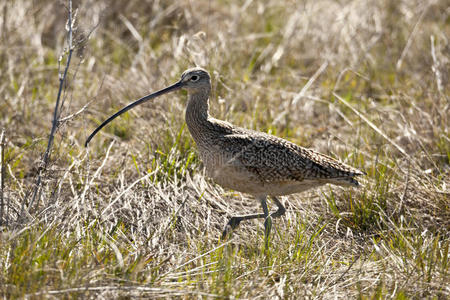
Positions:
{"x": 268, "y": 220}
{"x": 281, "y": 210}
{"x": 234, "y": 222}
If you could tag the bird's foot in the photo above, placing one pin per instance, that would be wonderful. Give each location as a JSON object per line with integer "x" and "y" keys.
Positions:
{"x": 231, "y": 225}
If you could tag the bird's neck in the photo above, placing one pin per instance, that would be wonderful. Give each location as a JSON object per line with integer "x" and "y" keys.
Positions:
{"x": 197, "y": 114}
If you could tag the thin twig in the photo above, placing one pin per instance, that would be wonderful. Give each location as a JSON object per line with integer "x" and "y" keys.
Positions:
{"x": 373, "y": 126}
{"x": 56, "y": 113}
{"x": 346, "y": 271}
{"x": 313, "y": 78}
{"x": 405, "y": 190}
{"x": 435, "y": 67}
{"x": 76, "y": 114}
{"x": 97, "y": 172}
{"x": 2, "y": 177}
{"x": 410, "y": 39}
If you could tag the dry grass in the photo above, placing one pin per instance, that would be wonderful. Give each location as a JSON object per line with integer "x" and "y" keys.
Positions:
{"x": 133, "y": 215}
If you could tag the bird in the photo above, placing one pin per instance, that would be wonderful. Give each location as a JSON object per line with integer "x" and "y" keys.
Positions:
{"x": 248, "y": 161}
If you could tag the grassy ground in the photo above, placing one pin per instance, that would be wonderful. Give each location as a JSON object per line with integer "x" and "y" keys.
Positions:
{"x": 133, "y": 215}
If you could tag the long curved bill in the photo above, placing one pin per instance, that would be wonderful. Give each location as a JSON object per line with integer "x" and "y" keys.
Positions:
{"x": 169, "y": 89}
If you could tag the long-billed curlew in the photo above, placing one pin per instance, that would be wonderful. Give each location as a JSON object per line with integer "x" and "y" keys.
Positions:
{"x": 248, "y": 161}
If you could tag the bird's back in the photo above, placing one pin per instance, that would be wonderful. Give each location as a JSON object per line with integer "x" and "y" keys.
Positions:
{"x": 237, "y": 158}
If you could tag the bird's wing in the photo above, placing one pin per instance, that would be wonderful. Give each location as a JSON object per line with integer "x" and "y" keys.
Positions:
{"x": 275, "y": 159}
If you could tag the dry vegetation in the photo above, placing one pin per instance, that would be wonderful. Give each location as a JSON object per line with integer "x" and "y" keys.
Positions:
{"x": 133, "y": 215}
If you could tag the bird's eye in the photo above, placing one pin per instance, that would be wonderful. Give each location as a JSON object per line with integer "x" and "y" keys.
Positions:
{"x": 195, "y": 78}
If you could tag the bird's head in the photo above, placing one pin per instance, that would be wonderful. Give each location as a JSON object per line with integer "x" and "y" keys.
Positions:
{"x": 195, "y": 80}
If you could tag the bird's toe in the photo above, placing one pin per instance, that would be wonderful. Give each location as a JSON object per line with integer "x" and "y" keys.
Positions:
{"x": 231, "y": 225}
